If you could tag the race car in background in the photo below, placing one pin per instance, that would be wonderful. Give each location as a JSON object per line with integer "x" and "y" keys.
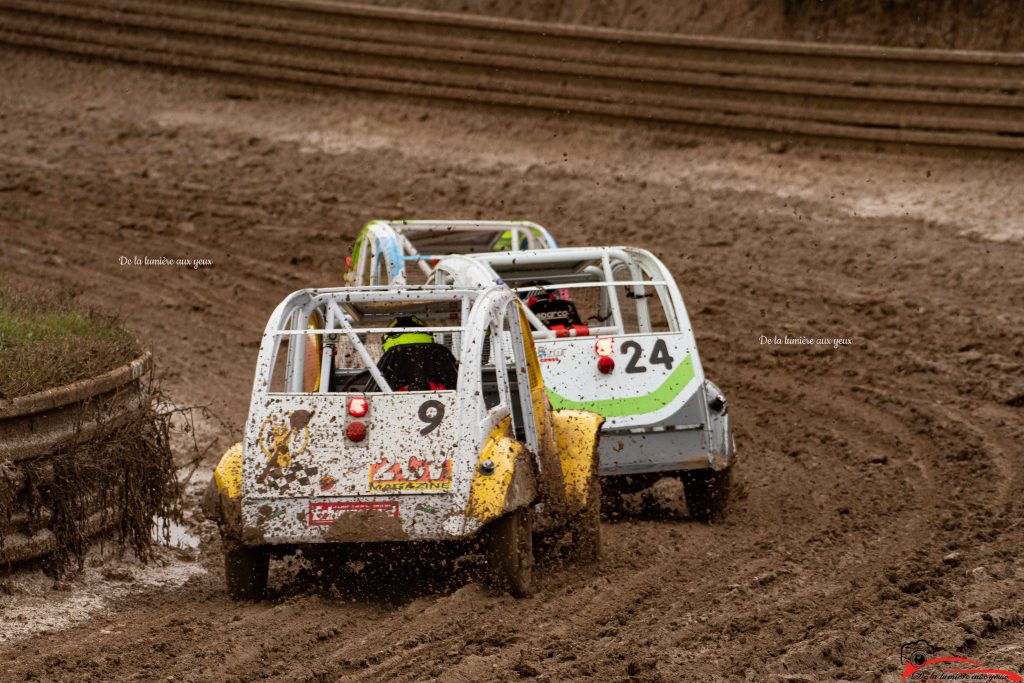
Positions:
{"x": 402, "y": 252}
{"x": 613, "y": 337}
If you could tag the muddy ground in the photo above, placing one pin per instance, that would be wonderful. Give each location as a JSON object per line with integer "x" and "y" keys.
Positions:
{"x": 877, "y": 498}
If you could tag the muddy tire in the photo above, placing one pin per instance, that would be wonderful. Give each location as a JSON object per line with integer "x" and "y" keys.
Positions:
{"x": 614, "y": 491}
{"x": 509, "y": 550}
{"x": 245, "y": 571}
{"x": 707, "y": 493}
{"x": 585, "y": 528}
{"x": 613, "y": 503}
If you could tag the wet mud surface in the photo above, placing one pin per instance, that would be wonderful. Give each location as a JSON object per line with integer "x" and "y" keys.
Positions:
{"x": 876, "y": 490}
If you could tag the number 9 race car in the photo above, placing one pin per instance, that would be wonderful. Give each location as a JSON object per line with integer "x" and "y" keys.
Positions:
{"x": 383, "y": 249}
{"x": 613, "y": 337}
{"x": 400, "y": 415}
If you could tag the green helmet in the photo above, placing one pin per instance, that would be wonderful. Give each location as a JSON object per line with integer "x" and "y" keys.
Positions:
{"x": 399, "y": 338}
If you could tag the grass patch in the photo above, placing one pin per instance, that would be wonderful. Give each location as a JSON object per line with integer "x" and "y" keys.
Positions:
{"x": 48, "y": 340}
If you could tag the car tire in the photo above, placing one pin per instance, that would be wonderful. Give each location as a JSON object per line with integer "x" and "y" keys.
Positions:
{"x": 509, "y": 549}
{"x": 707, "y": 492}
{"x": 615, "y": 489}
{"x": 245, "y": 571}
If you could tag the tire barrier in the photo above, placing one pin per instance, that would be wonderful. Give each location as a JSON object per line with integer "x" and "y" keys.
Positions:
{"x": 43, "y": 437}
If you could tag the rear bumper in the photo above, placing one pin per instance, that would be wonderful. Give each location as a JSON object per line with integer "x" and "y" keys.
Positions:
{"x": 697, "y": 436}
{"x": 665, "y": 449}
{"x": 366, "y": 519}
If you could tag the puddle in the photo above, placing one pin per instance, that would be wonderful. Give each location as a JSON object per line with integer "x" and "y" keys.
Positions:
{"x": 32, "y": 604}
{"x": 181, "y": 537}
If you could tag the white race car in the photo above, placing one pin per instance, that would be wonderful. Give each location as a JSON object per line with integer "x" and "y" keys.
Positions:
{"x": 613, "y": 337}
{"x": 401, "y": 414}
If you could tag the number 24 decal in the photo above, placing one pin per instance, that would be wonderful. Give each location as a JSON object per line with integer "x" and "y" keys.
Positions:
{"x": 659, "y": 356}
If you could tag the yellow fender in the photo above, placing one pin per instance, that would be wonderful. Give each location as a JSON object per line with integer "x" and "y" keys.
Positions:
{"x": 511, "y": 484}
{"x": 222, "y": 502}
{"x": 228, "y": 473}
{"x": 576, "y": 435}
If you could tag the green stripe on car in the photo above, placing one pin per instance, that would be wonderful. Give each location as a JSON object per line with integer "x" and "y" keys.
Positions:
{"x": 635, "y": 405}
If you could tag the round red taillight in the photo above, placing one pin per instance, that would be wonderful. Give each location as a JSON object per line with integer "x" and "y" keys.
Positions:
{"x": 604, "y": 346}
{"x": 355, "y": 431}
{"x": 357, "y": 406}
{"x": 605, "y": 364}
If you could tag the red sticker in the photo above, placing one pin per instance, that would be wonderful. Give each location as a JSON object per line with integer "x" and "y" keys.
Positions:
{"x": 321, "y": 514}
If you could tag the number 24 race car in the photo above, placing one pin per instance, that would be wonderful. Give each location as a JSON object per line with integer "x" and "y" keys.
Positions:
{"x": 613, "y": 337}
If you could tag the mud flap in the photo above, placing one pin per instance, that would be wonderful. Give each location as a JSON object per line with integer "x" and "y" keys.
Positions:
{"x": 576, "y": 435}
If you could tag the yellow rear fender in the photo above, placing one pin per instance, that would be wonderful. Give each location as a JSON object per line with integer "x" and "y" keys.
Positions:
{"x": 504, "y": 477}
{"x": 222, "y": 501}
{"x": 576, "y": 435}
{"x": 227, "y": 475}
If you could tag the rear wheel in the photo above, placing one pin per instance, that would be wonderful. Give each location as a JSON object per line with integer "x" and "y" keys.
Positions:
{"x": 509, "y": 548}
{"x": 615, "y": 490}
{"x": 707, "y": 493}
{"x": 245, "y": 570}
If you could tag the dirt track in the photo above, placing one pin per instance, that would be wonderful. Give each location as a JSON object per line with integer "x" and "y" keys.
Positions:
{"x": 877, "y": 499}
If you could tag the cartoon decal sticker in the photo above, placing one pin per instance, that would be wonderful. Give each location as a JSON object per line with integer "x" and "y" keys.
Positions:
{"x": 282, "y": 441}
{"x": 322, "y": 514}
{"x": 415, "y": 475}
{"x": 327, "y": 482}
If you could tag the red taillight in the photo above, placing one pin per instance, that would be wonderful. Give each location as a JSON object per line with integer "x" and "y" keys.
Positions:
{"x": 355, "y": 431}
{"x": 605, "y": 364}
{"x": 604, "y": 346}
{"x": 357, "y": 406}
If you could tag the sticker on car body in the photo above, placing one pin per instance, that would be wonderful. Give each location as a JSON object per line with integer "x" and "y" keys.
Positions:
{"x": 416, "y": 474}
{"x": 322, "y": 514}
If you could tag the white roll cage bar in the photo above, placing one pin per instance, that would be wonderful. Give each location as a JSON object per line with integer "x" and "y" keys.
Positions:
{"x": 392, "y": 245}
{"x": 482, "y": 314}
{"x": 480, "y": 270}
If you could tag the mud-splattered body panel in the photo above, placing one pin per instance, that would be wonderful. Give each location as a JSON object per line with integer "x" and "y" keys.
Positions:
{"x": 304, "y": 480}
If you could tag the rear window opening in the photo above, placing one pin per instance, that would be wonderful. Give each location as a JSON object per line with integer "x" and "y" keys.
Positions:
{"x": 585, "y": 297}
{"x": 575, "y": 309}
{"x": 415, "y": 352}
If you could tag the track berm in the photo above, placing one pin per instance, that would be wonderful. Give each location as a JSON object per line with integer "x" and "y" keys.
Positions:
{"x": 876, "y": 94}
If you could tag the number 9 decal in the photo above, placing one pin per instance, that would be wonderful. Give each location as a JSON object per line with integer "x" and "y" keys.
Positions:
{"x": 431, "y": 412}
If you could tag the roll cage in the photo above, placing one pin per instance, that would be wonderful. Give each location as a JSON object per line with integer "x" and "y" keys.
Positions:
{"x": 634, "y": 273}
{"x": 399, "y": 252}
{"x": 484, "y": 334}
